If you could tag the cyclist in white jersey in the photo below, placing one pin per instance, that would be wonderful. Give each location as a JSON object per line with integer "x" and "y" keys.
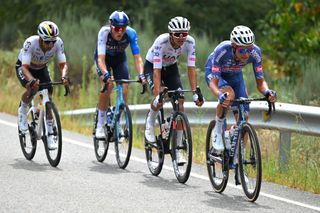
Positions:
{"x": 32, "y": 68}
{"x": 161, "y": 67}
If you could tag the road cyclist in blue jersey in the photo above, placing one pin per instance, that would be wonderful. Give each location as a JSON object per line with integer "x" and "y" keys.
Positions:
{"x": 224, "y": 75}
{"x": 110, "y": 56}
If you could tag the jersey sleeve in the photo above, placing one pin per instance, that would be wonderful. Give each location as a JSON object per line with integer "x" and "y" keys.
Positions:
{"x": 257, "y": 63}
{"x": 26, "y": 53}
{"x": 133, "y": 39}
{"x": 214, "y": 63}
{"x": 191, "y": 49}
{"x": 61, "y": 57}
{"x": 102, "y": 40}
{"x": 157, "y": 52}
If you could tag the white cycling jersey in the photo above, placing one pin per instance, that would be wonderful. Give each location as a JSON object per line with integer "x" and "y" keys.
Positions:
{"x": 32, "y": 55}
{"x": 162, "y": 54}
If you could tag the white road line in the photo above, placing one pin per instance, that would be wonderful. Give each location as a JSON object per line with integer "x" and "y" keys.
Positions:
{"x": 195, "y": 175}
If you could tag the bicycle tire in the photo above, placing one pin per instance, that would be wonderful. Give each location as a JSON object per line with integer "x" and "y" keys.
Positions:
{"x": 53, "y": 156}
{"x": 155, "y": 151}
{"x": 100, "y": 154}
{"x": 28, "y": 140}
{"x": 181, "y": 169}
{"x": 217, "y": 165}
{"x": 123, "y": 136}
{"x": 249, "y": 158}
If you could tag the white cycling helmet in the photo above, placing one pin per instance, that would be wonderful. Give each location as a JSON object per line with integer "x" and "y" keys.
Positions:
{"x": 48, "y": 31}
{"x": 179, "y": 24}
{"x": 242, "y": 36}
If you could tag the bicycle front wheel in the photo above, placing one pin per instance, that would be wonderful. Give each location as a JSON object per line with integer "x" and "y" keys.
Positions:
{"x": 217, "y": 164}
{"x": 181, "y": 147}
{"x": 53, "y": 155}
{"x": 123, "y": 136}
{"x": 100, "y": 145}
{"x": 155, "y": 151}
{"x": 249, "y": 158}
{"x": 28, "y": 140}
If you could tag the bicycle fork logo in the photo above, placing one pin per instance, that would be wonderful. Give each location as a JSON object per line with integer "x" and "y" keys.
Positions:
{"x": 234, "y": 142}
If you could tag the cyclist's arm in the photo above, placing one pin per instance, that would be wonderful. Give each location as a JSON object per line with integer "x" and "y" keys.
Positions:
{"x": 64, "y": 69}
{"x": 262, "y": 85}
{"x": 26, "y": 72}
{"x": 156, "y": 81}
{"x": 102, "y": 64}
{"x": 192, "y": 78}
{"x": 138, "y": 63}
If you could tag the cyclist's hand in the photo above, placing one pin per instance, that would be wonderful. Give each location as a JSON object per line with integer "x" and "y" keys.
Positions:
{"x": 223, "y": 99}
{"x": 196, "y": 100}
{"x": 106, "y": 76}
{"x": 33, "y": 84}
{"x": 271, "y": 95}
{"x": 65, "y": 80}
{"x": 142, "y": 78}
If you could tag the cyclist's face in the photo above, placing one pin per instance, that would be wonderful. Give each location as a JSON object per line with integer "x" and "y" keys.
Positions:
{"x": 48, "y": 45}
{"x": 117, "y": 32}
{"x": 243, "y": 52}
{"x": 178, "y": 38}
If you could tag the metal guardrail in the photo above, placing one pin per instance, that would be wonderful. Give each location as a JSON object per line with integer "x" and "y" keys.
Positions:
{"x": 287, "y": 118}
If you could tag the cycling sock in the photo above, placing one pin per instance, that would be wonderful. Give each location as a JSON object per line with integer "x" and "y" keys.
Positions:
{"x": 101, "y": 118}
{"x": 152, "y": 117}
{"x": 179, "y": 137}
{"x": 49, "y": 126}
{"x": 219, "y": 123}
{"x": 23, "y": 107}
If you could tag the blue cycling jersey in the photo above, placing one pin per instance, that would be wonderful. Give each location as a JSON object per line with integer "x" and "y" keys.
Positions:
{"x": 106, "y": 45}
{"x": 221, "y": 63}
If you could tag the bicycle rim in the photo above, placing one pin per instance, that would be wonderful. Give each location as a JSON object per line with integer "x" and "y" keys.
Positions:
{"x": 28, "y": 140}
{"x": 53, "y": 156}
{"x": 123, "y": 136}
{"x": 217, "y": 164}
{"x": 250, "y": 162}
{"x": 100, "y": 146}
{"x": 183, "y": 148}
{"x": 155, "y": 151}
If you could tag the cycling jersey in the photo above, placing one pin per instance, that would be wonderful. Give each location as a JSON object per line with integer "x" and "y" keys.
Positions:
{"x": 221, "y": 63}
{"x": 162, "y": 54}
{"x": 32, "y": 55}
{"x": 106, "y": 45}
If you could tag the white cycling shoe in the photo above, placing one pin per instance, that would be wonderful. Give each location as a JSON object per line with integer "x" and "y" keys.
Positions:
{"x": 52, "y": 145}
{"x": 217, "y": 141}
{"x": 149, "y": 133}
{"x": 100, "y": 133}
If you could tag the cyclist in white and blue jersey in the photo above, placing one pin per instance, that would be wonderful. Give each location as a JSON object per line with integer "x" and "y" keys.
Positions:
{"x": 223, "y": 72}
{"x": 110, "y": 55}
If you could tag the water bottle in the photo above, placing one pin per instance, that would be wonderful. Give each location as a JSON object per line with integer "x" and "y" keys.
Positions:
{"x": 109, "y": 117}
{"x": 37, "y": 111}
{"x": 234, "y": 138}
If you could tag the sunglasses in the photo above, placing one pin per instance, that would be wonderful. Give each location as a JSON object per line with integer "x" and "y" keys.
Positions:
{"x": 118, "y": 28}
{"x": 245, "y": 50}
{"x": 183, "y": 34}
{"x": 49, "y": 42}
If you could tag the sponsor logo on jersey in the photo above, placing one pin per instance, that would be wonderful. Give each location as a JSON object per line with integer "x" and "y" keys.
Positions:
{"x": 192, "y": 59}
{"x": 155, "y": 60}
{"x": 215, "y": 69}
{"x": 259, "y": 69}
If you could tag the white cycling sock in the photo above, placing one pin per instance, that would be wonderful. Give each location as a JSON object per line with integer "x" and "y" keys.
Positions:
{"x": 23, "y": 107}
{"x": 152, "y": 117}
{"x": 219, "y": 123}
{"x": 49, "y": 126}
{"x": 101, "y": 118}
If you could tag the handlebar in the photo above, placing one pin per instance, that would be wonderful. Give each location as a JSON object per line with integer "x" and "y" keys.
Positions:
{"x": 271, "y": 106}
{"x": 66, "y": 87}
{"x": 165, "y": 91}
{"x": 120, "y": 81}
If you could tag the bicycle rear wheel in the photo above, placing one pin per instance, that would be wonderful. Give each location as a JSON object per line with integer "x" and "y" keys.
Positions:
{"x": 100, "y": 146}
{"x": 123, "y": 136}
{"x": 28, "y": 140}
{"x": 54, "y": 155}
{"x": 155, "y": 151}
{"x": 249, "y": 158}
{"x": 181, "y": 150}
{"x": 217, "y": 164}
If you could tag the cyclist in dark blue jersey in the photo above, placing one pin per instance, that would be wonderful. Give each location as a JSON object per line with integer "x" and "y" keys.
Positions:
{"x": 223, "y": 71}
{"x": 110, "y": 55}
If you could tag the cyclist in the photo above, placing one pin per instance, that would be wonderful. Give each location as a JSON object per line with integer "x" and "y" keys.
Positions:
{"x": 161, "y": 68}
{"x": 223, "y": 71}
{"x": 32, "y": 68}
{"x": 113, "y": 39}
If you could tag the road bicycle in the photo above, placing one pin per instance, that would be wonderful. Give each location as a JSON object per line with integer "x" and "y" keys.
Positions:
{"x": 37, "y": 117}
{"x": 166, "y": 132}
{"x": 241, "y": 153}
{"x": 118, "y": 129}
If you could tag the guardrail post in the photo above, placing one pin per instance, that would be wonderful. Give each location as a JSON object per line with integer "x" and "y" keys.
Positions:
{"x": 284, "y": 150}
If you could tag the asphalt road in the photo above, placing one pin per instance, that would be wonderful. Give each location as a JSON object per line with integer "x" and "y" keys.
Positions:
{"x": 81, "y": 184}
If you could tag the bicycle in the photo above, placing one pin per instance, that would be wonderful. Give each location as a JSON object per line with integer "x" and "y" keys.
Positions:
{"x": 118, "y": 129}
{"x": 166, "y": 130}
{"x": 37, "y": 125}
{"x": 242, "y": 154}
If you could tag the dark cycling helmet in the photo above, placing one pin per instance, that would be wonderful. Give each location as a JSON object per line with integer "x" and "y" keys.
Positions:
{"x": 242, "y": 36}
{"x": 179, "y": 24}
{"x": 119, "y": 18}
{"x": 48, "y": 31}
